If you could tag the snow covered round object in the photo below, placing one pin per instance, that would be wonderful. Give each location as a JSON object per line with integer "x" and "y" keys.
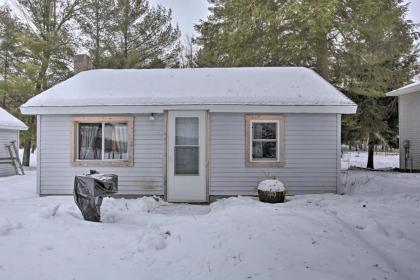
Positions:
{"x": 271, "y": 191}
{"x": 271, "y": 186}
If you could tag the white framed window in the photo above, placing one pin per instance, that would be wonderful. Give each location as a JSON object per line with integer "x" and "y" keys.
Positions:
{"x": 103, "y": 141}
{"x": 264, "y": 140}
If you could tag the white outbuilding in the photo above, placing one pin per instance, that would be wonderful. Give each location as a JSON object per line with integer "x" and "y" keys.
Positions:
{"x": 191, "y": 134}
{"x": 9, "y": 132}
{"x": 409, "y": 125}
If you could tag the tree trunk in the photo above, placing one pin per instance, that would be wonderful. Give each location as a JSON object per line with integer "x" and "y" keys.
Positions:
{"x": 97, "y": 39}
{"x": 6, "y": 66}
{"x": 322, "y": 64}
{"x": 371, "y": 152}
{"x": 27, "y": 143}
{"x": 40, "y": 86}
{"x": 322, "y": 54}
{"x": 27, "y": 140}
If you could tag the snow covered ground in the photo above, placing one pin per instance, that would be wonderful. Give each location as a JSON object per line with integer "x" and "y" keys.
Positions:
{"x": 359, "y": 159}
{"x": 32, "y": 159}
{"x": 372, "y": 232}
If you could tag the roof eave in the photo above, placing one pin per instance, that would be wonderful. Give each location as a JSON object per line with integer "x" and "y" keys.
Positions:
{"x": 403, "y": 91}
{"x": 137, "y": 109}
{"x": 15, "y": 127}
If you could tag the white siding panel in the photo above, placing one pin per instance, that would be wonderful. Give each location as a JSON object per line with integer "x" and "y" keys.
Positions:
{"x": 409, "y": 114}
{"x": 310, "y": 160}
{"x": 144, "y": 178}
{"x": 6, "y": 136}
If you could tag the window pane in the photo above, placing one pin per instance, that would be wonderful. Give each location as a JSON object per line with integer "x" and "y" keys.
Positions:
{"x": 264, "y": 130}
{"x": 264, "y": 150}
{"x": 186, "y": 131}
{"x": 186, "y": 160}
{"x": 90, "y": 141}
{"x": 116, "y": 141}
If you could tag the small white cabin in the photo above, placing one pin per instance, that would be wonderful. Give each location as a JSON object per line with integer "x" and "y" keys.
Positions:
{"x": 191, "y": 134}
{"x": 9, "y": 131}
{"x": 409, "y": 125}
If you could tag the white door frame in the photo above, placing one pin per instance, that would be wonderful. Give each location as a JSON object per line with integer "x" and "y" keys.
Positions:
{"x": 186, "y": 188}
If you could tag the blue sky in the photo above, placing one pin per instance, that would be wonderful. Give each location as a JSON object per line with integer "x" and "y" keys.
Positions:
{"x": 186, "y": 12}
{"x": 414, "y": 10}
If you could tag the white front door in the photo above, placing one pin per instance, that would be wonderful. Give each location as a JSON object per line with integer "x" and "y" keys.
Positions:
{"x": 186, "y": 174}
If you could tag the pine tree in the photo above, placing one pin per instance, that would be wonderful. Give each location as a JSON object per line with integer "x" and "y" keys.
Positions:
{"x": 379, "y": 57}
{"x": 9, "y": 30}
{"x": 134, "y": 35}
{"x": 17, "y": 83}
{"x": 49, "y": 48}
{"x": 188, "y": 56}
{"x": 95, "y": 23}
{"x": 363, "y": 47}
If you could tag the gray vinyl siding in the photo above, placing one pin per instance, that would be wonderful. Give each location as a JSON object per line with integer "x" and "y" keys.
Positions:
{"x": 409, "y": 115}
{"x": 312, "y": 157}
{"x": 56, "y": 173}
{"x": 311, "y": 160}
{"x": 6, "y": 136}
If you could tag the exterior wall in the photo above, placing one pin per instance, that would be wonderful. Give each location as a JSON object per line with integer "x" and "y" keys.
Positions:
{"x": 56, "y": 173}
{"x": 312, "y": 156}
{"x": 409, "y": 108}
{"x": 312, "y": 147}
{"x": 6, "y": 136}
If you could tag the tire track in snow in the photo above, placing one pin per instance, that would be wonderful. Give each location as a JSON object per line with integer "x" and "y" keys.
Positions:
{"x": 390, "y": 263}
{"x": 349, "y": 228}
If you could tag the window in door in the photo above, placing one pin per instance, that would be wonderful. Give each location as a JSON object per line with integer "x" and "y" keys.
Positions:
{"x": 187, "y": 146}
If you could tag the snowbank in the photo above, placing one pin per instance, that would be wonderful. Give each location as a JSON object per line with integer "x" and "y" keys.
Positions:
{"x": 372, "y": 232}
{"x": 359, "y": 159}
{"x": 32, "y": 160}
{"x": 383, "y": 183}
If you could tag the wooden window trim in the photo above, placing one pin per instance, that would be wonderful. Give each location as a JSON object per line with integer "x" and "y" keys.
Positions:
{"x": 101, "y": 163}
{"x": 281, "y": 138}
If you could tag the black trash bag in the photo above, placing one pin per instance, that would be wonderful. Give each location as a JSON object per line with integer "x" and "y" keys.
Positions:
{"x": 89, "y": 191}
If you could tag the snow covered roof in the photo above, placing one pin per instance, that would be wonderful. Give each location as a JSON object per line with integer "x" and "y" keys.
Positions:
{"x": 410, "y": 88}
{"x": 205, "y": 87}
{"x": 7, "y": 121}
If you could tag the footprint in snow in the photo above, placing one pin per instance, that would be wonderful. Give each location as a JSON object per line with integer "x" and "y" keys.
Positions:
{"x": 6, "y": 226}
{"x": 49, "y": 211}
{"x": 153, "y": 239}
{"x": 47, "y": 248}
{"x": 109, "y": 218}
{"x": 396, "y": 233}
